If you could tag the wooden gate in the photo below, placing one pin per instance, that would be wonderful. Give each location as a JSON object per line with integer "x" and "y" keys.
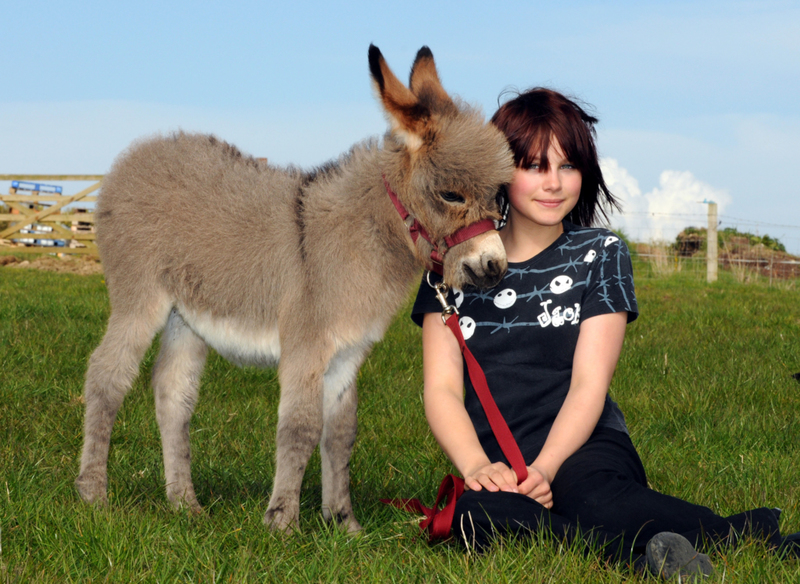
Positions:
{"x": 37, "y": 221}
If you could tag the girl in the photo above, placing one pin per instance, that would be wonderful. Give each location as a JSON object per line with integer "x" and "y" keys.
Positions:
{"x": 548, "y": 338}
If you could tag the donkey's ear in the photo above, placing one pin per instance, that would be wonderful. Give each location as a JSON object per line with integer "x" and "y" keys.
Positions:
{"x": 407, "y": 115}
{"x": 424, "y": 82}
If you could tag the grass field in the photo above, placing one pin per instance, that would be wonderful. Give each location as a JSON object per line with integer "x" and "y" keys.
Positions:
{"x": 705, "y": 382}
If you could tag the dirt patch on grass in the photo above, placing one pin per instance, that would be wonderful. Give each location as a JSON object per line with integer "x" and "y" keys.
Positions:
{"x": 81, "y": 265}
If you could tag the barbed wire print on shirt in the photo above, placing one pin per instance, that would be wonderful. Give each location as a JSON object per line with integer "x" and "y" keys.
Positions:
{"x": 592, "y": 266}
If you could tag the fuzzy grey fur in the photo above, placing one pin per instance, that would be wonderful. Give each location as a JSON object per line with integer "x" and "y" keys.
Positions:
{"x": 264, "y": 264}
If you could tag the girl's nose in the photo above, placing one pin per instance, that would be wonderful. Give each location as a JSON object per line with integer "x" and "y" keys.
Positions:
{"x": 551, "y": 181}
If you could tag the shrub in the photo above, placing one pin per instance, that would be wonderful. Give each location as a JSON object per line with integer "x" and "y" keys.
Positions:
{"x": 693, "y": 239}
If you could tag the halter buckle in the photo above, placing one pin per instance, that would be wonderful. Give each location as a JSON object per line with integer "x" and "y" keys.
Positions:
{"x": 442, "y": 291}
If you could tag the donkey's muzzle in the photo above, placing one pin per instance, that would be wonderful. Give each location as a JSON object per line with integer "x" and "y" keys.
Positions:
{"x": 494, "y": 272}
{"x": 481, "y": 263}
{"x": 489, "y": 274}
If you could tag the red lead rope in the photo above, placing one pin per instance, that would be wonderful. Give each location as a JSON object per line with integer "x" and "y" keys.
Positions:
{"x": 438, "y": 522}
{"x": 501, "y": 431}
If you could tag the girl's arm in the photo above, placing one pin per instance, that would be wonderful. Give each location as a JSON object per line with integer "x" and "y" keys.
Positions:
{"x": 450, "y": 422}
{"x": 596, "y": 355}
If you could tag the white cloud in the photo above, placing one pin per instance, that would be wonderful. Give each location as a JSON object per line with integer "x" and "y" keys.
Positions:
{"x": 749, "y": 155}
{"x": 662, "y": 213}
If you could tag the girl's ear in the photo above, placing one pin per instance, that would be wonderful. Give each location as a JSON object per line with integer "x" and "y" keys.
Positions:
{"x": 408, "y": 117}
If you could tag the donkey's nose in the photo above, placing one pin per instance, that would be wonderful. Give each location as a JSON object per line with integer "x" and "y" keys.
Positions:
{"x": 494, "y": 269}
{"x": 491, "y": 271}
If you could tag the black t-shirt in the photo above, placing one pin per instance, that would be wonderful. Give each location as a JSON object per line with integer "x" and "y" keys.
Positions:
{"x": 524, "y": 331}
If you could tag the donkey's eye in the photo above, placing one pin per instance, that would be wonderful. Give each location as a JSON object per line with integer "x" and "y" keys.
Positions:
{"x": 452, "y": 197}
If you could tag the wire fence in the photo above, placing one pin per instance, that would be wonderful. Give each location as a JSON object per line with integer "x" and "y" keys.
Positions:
{"x": 749, "y": 249}
{"x": 663, "y": 227}
{"x": 668, "y": 241}
{"x": 742, "y": 270}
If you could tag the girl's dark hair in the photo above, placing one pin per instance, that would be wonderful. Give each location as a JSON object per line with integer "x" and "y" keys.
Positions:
{"x": 531, "y": 118}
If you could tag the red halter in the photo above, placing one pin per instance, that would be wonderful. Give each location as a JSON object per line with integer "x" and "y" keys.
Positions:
{"x": 416, "y": 230}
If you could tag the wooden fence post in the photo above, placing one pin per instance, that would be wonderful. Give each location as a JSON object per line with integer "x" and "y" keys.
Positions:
{"x": 711, "y": 243}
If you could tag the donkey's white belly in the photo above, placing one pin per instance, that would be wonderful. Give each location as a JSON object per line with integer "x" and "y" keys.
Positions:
{"x": 239, "y": 342}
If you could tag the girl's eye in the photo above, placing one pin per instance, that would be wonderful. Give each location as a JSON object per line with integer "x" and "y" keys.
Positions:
{"x": 568, "y": 166}
{"x": 534, "y": 166}
{"x": 452, "y": 197}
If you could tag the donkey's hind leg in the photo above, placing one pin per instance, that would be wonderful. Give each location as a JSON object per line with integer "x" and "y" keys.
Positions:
{"x": 112, "y": 368}
{"x": 338, "y": 435}
{"x": 176, "y": 377}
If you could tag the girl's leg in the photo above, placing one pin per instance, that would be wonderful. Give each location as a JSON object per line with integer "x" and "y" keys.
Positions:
{"x": 480, "y": 516}
{"x": 604, "y": 485}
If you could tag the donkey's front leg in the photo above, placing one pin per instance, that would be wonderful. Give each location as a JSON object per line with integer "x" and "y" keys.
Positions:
{"x": 299, "y": 431}
{"x": 338, "y": 435}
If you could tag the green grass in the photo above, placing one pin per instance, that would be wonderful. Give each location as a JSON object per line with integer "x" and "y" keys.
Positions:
{"x": 704, "y": 380}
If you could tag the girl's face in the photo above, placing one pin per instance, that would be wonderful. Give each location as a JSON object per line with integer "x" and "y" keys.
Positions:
{"x": 541, "y": 198}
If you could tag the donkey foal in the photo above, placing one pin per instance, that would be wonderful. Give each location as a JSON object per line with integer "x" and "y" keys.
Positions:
{"x": 314, "y": 266}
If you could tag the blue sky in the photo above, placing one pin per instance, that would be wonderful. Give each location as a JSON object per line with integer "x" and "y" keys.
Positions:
{"x": 696, "y": 99}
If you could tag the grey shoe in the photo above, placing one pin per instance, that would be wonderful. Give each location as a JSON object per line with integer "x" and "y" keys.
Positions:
{"x": 670, "y": 554}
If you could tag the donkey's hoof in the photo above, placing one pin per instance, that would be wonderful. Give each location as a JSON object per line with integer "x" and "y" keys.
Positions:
{"x": 343, "y": 519}
{"x": 184, "y": 499}
{"x": 279, "y": 519}
{"x": 191, "y": 505}
{"x": 92, "y": 489}
{"x": 351, "y": 525}
{"x": 196, "y": 508}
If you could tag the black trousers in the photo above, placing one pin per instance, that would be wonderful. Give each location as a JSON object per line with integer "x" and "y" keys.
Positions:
{"x": 601, "y": 500}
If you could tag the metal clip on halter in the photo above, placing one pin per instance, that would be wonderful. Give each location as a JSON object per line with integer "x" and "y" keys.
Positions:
{"x": 442, "y": 290}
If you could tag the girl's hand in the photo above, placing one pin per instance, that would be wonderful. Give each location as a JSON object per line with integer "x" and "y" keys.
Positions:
{"x": 492, "y": 477}
{"x": 537, "y": 487}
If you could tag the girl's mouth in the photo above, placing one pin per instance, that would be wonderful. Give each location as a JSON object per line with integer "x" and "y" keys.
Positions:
{"x": 552, "y": 204}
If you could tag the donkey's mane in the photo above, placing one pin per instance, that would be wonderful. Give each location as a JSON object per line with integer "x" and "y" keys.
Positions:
{"x": 227, "y": 149}
{"x": 334, "y": 167}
